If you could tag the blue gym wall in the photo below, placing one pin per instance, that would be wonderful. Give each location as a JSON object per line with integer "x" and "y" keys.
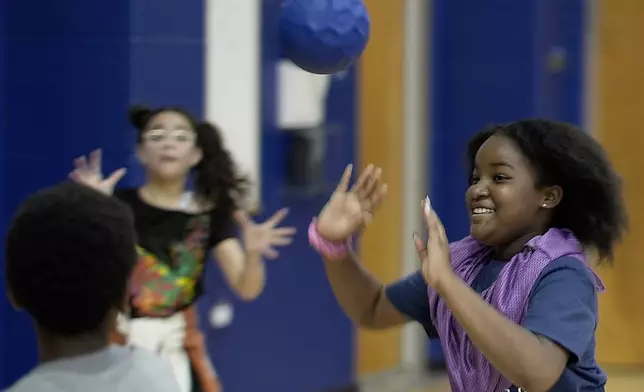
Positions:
{"x": 294, "y": 338}
{"x": 3, "y": 168}
{"x": 489, "y": 65}
{"x": 69, "y": 72}
{"x": 66, "y": 87}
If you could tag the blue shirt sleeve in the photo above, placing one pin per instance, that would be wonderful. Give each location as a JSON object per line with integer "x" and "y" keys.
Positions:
{"x": 563, "y": 306}
{"x": 409, "y": 296}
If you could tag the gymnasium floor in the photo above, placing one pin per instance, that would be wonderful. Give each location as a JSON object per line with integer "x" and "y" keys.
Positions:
{"x": 419, "y": 381}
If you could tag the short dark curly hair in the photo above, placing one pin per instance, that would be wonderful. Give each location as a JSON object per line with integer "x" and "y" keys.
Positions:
{"x": 68, "y": 256}
{"x": 592, "y": 206}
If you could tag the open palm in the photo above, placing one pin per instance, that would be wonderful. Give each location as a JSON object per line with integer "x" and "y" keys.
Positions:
{"x": 263, "y": 238}
{"x": 348, "y": 211}
{"x": 91, "y": 174}
{"x": 434, "y": 253}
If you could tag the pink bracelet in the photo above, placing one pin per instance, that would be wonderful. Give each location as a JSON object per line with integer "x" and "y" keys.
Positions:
{"x": 332, "y": 250}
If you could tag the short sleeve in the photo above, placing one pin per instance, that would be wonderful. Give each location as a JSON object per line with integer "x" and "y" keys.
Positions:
{"x": 222, "y": 227}
{"x": 563, "y": 306}
{"x": 409, "y": 297}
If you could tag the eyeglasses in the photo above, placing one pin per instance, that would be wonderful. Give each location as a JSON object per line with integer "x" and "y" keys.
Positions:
{"x": 177, "y": 135}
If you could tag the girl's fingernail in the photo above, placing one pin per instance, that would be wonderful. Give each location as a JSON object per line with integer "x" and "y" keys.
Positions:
{"x": 428, "y": 205}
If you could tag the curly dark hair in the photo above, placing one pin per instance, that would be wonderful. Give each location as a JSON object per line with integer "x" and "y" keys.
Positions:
{"x": 592, "y": 206}
{"x": 217, "y": 179}
{"x": 69, "y": 254}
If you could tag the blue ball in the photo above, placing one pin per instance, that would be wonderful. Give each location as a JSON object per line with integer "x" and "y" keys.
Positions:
{"x": 324, "y": 36}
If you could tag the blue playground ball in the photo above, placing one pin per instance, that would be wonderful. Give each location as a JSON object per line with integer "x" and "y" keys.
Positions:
{"x": 324, "y": 36}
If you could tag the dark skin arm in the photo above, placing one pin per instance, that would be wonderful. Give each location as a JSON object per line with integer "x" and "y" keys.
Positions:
{"x": 360, "y": 295}
{"x": 529, "y": 361}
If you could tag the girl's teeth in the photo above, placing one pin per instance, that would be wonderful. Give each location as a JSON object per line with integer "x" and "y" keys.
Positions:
{"x": 483, "y": 211}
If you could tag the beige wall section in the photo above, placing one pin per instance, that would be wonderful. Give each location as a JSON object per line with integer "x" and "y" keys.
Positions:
{"x": 415, "y": 161}
{"x": 381, "y": 143}
{"x": 617, "y": 109}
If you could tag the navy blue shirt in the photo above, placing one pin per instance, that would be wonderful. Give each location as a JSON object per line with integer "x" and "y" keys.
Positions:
{"x": 562, "y": 307}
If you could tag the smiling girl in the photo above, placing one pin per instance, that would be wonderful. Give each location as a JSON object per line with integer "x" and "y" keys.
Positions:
{"x": 515, "y": 303}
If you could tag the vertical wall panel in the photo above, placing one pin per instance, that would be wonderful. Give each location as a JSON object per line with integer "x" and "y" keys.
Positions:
{"x": 616, "y": 112}
{"x": 4, "y": 305}
{"x": 71, "y": 71}
{"x": 381, "y": 143}
{"x": 65, "y": 93}
{"x": 483, "y": 66}
{"x": 294, "y": 337}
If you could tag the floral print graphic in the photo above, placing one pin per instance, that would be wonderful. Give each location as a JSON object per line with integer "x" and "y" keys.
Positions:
{"x": 158, "y": 289}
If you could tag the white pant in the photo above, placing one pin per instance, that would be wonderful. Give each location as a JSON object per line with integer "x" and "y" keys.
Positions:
{"x": 164, "y": 336}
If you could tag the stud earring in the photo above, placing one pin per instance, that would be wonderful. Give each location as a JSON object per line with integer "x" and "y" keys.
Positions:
{"x": 543, "y": 205}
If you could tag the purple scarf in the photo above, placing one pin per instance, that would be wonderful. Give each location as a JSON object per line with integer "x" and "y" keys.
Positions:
{"x": 508, "y": 294}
